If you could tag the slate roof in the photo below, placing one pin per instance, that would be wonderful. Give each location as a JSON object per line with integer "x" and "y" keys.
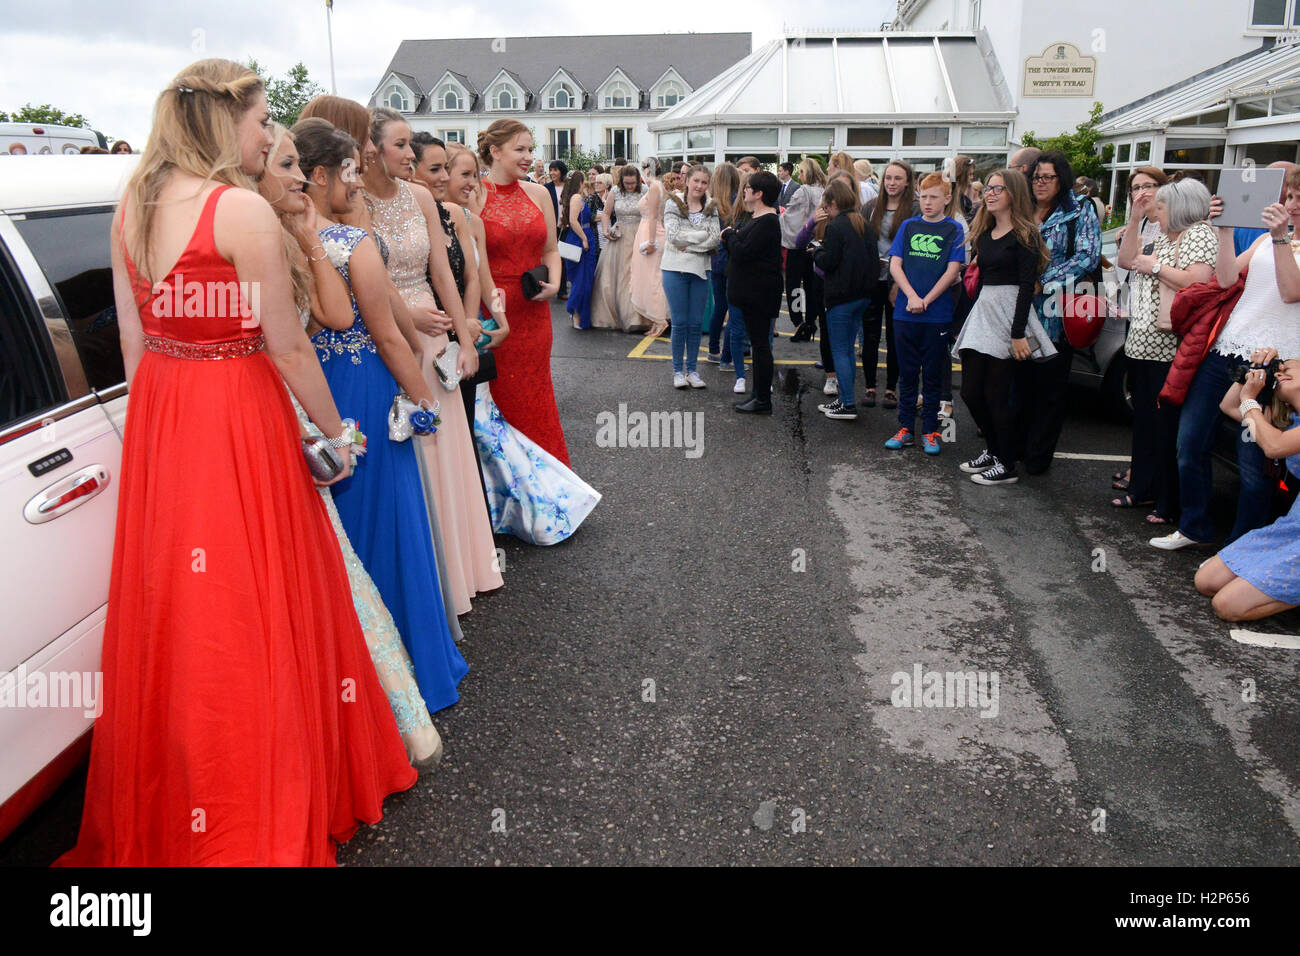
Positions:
{"x": 697, "y": 57}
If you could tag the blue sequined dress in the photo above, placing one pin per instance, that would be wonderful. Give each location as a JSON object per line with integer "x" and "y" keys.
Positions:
{"x": 381, "y": 505}
{"x": 1269, "y": 557}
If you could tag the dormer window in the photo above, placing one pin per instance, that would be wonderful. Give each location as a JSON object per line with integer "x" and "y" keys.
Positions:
{"x": 562, "y": 98}
{"x": 395, "y": 98}
{"x": 669, "y": 95}
{"x": 618, "y": 97}
{"x": 451, "y": 100}
{"x": 504, "y": 93}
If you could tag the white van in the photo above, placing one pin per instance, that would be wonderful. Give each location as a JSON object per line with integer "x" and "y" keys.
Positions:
{"x": 62, "y": 408}
{"x": 43, "y": 139}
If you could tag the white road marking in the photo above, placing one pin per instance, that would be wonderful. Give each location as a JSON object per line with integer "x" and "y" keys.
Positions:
{"x": 1068, "y": 454}
{"x": 1258, "y": 639}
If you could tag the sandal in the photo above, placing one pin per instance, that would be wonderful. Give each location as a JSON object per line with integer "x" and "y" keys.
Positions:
{"x": 1128, "y": 502}
{"x": 1156, "y": 517}
{"x": 1121, "y": 479}
{"x": 869, "y": 399}
{"x": 891, "y": 398}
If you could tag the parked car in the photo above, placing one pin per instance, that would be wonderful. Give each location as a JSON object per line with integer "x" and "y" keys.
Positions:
{"x": 62, "y": 408}
{"x": 1102, "y": 368}
{"x": 46, "y": 138}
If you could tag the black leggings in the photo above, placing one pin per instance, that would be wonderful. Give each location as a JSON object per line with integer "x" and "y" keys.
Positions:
{"x": 879, "y": 312}
{"x": 986, "y": 390}
{"x": 759, "y": 328}
{"x": 794, "y": 270}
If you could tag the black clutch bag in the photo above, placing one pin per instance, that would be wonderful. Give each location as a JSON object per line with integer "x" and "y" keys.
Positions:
{"x": 531, "y": 281}
{"x": 487, "y": 370}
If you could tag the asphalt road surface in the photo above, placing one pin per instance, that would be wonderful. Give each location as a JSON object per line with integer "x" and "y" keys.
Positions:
{"x": 708, "y": 671}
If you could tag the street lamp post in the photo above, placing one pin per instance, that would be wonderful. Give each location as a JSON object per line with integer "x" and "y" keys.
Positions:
{"x": 329, "y": 29}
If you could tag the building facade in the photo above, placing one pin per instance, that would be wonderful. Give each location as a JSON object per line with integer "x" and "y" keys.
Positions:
{"x": 1058, "y": 58}
{"x": 594, "y": 93}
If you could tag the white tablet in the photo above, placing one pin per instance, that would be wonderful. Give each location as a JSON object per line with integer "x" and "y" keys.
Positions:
{"x": 1246, "y": 193}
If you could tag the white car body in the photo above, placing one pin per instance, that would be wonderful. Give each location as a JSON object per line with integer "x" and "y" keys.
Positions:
{"x": 43, "y": 139}
{"x": 62, "y": 411}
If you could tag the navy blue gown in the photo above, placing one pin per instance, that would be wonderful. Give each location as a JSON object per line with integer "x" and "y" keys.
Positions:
{"x": 381, "y": 505}
{"x": 582, "y": 274}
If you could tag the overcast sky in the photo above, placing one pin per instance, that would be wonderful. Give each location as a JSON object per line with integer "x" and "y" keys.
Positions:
{"x": 91, "y": 57}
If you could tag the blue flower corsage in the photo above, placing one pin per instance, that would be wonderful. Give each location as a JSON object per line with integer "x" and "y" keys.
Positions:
{"x": 424, "y": 422}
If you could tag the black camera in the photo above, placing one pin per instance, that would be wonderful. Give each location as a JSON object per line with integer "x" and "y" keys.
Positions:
{"x": 1239, "y": 373}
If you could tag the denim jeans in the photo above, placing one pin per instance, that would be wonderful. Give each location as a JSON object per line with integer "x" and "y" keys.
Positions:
{"x": 921, "y": 348}
{"x": 1196, "y": 433}
{"x": 686, "y": 294}
{"x": 843, "y": 322}
{"x": 737, "y": 339}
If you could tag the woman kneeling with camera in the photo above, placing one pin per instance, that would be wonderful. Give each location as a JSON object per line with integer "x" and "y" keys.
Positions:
{"x": 1259, "y": 574}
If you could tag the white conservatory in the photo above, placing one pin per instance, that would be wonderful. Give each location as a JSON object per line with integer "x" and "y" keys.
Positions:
{"x": 876, "y": 96}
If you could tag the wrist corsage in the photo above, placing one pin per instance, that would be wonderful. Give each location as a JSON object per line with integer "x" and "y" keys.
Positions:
{"x": 424, "y": 420}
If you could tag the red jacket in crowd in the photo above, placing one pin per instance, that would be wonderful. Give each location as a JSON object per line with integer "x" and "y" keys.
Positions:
{"x": 1198, "y": 313}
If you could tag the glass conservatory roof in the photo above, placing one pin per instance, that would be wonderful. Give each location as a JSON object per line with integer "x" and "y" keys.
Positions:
{"x": 851, "y": 76}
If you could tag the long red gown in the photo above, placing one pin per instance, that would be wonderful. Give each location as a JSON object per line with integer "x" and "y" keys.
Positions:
{"x": 515, "y": 230}
{"x": 243, "y": 721}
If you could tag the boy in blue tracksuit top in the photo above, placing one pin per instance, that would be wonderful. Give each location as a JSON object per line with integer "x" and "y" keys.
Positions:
{"x": 924, "y": 261}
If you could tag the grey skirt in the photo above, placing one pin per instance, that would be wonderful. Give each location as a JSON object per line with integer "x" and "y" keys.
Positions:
{"x": 988, "y": 327}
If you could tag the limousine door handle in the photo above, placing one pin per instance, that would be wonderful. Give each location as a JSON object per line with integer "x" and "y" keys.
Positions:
{"x": 66, "y": 494}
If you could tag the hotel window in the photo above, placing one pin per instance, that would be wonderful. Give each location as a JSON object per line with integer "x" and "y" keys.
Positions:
{"x": 395, "y": 99}
{"x": 754, "y": 137}
{"x": 925, "y": 136}
{"x": 562, "y": 98}
{"x": 699, "y": 139}
{"x": 669, "y": 95}
{"x": 984, "y": 136}
{"x": 1143, "y": 154}
{"x": 562, "y": 141}
{"x": 1124, "y": 153}
{"x": 452, "y": 135}
{"x": 618, "y": 97}
{"x": 670, "y": 142}
{"x": 1252, "y": 109}
{"x": 870, "y": 136}
{"x": 505, "y": 99}
{"x": 1273, "y": 13}
{"x": 813, "y": 137}
{"x": 450, "y": 100}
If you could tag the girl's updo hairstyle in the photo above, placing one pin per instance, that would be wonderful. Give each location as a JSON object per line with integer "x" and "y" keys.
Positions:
{"x": 321, "y": 143}
{"x": 380, "y": 117}
{"x": 498, "y": 134}
{"x": 348, "y": 115}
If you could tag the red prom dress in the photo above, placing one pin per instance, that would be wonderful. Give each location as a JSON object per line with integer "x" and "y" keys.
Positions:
{"x": 515, "y": 230}
{"x": 243, "y": 720}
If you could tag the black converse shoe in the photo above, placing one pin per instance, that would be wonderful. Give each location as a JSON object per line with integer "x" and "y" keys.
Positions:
{"x": 983, "y": 462}
{"x": 838, "y": 409}
{"x": 999, "y": 474}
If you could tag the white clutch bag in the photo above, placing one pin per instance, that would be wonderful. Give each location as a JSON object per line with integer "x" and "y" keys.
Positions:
{"x": 571, "y": 251}
{"x": 445, "y": 365}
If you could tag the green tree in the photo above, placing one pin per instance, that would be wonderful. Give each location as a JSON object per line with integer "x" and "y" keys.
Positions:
{"x": 1080, "y": 146}
{"x": 578, "y": 158}
{"x": 45, "y": 113}
{"x": 286, "y": 97}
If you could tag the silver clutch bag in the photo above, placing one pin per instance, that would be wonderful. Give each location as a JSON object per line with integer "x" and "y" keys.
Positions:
{"x": 445, "y": 366}
{"x": 399, "y": 418}
{"x": 323, "y": 461}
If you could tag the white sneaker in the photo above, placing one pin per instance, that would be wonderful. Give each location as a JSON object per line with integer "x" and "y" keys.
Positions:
{"x": 1173, "y": 542}
{"x": 832, "y": 387}
{"x": 945, "y": 410}
{"x": 679, "y": 380}
{"x": 739, "y": 386}
{"x": 694, "y": 380}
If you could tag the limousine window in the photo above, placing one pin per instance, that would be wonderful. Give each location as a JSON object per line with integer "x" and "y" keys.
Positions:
{"x": 24, "y": 391}
{"x": 72, "y": 249}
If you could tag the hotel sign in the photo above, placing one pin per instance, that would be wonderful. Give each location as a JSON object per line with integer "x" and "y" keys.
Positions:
{"x": 1061, "y": 70}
